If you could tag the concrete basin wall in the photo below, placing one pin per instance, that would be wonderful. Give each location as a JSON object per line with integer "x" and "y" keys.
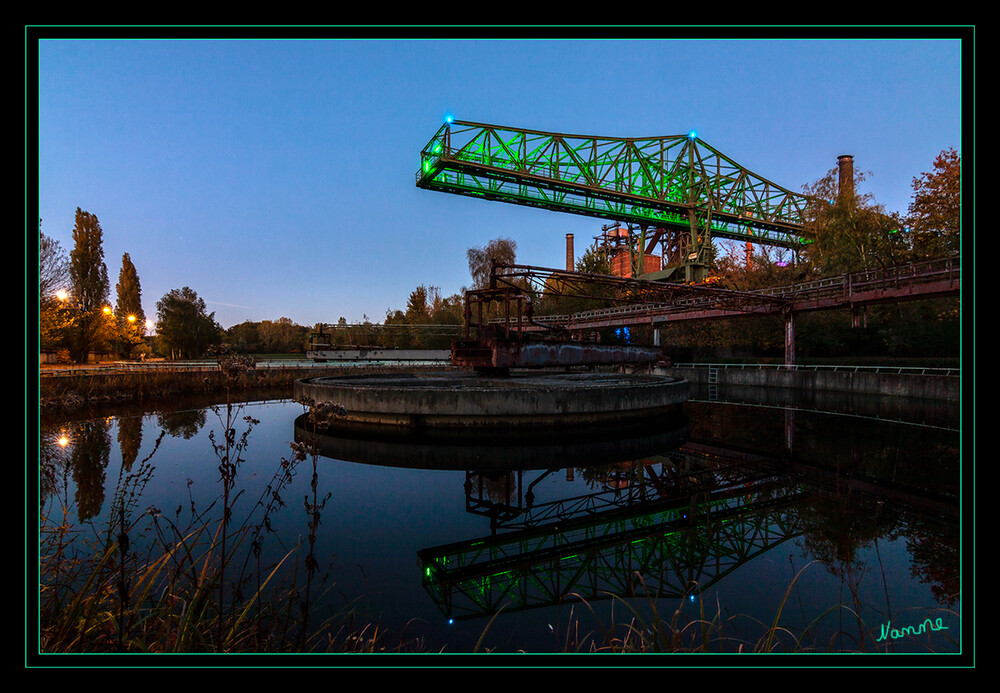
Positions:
{"x": 458, "y": 399}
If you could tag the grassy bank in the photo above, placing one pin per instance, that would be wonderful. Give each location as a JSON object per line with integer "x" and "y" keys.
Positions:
{"x": 88, "y": 387}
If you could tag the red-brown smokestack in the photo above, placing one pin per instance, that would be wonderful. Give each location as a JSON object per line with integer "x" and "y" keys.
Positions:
{"x": 570, "y": 257}
{"x": 845, "y": 163}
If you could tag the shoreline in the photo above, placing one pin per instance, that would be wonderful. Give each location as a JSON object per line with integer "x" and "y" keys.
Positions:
{"x": 114, "y": 384}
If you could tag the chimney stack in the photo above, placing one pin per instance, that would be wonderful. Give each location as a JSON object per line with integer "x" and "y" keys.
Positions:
{"x": 845, "y": 163}
{"x": 570, "y": 257}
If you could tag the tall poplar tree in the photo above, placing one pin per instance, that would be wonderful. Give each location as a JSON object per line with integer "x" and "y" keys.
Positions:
{"x": 89, "y": 283}
{"x": 129, "y": 316}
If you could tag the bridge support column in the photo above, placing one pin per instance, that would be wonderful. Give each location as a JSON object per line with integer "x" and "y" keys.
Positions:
{"x": 789, "y": 338}
{"x": 859, "y": 316}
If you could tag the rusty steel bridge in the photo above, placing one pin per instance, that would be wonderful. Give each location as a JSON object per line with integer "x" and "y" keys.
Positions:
{"x": 644, "y": 302}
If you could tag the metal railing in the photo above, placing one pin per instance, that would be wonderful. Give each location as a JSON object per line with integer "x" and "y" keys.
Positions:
{"x": 894, "y": 370}
{"x": 165, "y": 367}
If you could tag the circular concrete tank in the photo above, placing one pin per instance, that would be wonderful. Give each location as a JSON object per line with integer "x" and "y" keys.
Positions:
{"x": 460, "y": 400}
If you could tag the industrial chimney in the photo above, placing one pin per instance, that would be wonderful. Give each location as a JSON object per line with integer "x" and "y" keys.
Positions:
{"x": 845, "y": 164}
{"x": 570, "y": 257}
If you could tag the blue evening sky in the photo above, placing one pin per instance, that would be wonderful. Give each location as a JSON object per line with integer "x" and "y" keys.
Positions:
{"x": 276, "y": 178}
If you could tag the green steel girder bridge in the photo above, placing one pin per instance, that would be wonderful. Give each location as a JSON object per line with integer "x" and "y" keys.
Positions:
{"x": 677, "y": 189}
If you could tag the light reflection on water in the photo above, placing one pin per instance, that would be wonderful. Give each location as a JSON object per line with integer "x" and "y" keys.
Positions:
{"x": 742, "y": 511}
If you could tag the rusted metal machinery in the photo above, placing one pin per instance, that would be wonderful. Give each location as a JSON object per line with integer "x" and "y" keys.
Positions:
{"x": 501, "y": 333}
{"x": 495, "y": 346}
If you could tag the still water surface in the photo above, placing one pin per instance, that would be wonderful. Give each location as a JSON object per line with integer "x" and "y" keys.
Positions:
{"x": 841, "y": 524}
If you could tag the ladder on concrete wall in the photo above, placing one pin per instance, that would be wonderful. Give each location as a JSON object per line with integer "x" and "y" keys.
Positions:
{"x": 713, "y": 383}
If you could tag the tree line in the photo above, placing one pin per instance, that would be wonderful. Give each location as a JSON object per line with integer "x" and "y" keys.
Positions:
{"x": 78, "y": 318}
{"x": 76, "y": 313}
{"x": 849, "y": 233}
{"x": 430, "y": 320}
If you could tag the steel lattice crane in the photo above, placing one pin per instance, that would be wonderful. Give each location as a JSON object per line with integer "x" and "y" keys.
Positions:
{"x": 676, "y": 190}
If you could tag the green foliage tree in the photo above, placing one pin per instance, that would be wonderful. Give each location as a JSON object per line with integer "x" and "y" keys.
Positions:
{"x": 935, "y": 214}
{"x": 594, "y": 261}
{"x": 448, "y": 310}
{"x": 417, "y": 310}
{"x": 281, "y": 336}
{"x": 244, "y": 337}
{"x": 184, "y": 329}
{"x": 130, "y": 319}
{"x": 425, "y": 307}
{"x": 89, "y": 284}
{"x": 851, "y": 233}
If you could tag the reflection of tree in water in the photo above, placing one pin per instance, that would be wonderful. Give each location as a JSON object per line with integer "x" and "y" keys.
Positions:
{"x": 126, "y": 498}
{"x": 838, "y": 526}
{"x": 498, "y": 487}
{"x": 617, "y": 476}
{"x": 50, "y": 459}
{"x": 129, "y": 439}
{"x": 659, "y": 476}
{"x": 132, "y": 478}
{"x": 936, "y": 559}
{"x": 89, "y": 460}
{"x": 912, "y": 456}
{"x": 182, "y": 424}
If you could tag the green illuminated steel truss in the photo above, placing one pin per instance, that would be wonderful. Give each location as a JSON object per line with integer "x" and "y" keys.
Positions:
{"x": 673, "y": 549}
{"x": 685, "y": 520}
{"x": 659, "y": 183}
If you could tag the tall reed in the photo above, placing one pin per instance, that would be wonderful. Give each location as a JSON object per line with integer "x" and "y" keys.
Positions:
{"x": 189, "y": 582}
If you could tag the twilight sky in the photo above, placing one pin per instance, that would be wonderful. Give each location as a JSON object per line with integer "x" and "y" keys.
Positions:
{"x": 276, "y": 177}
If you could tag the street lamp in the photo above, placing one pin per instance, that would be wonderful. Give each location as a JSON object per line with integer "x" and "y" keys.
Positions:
{"x": 131, "y": 346}
{"x": 148, "y": 336}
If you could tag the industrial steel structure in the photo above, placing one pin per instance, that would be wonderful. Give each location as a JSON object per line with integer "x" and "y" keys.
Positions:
{"x": 641, "y": 301}
{"x": 677, "y": 190}
{"x": 681, "y": 524}
{"x": 631, "y": 301}
{"x": 497, "y": 337}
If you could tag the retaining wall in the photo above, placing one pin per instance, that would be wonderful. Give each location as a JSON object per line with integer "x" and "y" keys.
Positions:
{"x": 932, "y": 384}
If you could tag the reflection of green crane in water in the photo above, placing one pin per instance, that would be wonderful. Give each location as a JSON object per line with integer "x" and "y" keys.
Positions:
{"x": 678, "y": 191}
{"x": 675, "y": 531}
